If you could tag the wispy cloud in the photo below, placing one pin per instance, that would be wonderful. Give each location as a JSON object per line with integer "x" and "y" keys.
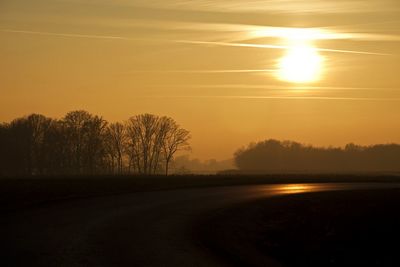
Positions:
{"x": 267, "y": 46}
{"x": 255, "y": 97}
{"x": 286, "y": 6}
{"x": 203, "y": 71}
{"x": 69, "y": 35}
{"x": 278, "y": 87}
{"x": 192, "y": 42}
{"x": 249, "y": 31}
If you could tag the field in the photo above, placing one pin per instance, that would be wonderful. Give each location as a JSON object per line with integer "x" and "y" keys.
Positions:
{"x": 345, "y": 228}
{"x": 207, "y": 220}
{"x": 24, "y": 192}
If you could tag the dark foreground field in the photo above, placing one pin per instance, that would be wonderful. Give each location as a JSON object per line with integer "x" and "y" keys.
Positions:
{"x": 343, "y": 228}
{"x": 200, "y": 221}
{"x": 25, "y": 192}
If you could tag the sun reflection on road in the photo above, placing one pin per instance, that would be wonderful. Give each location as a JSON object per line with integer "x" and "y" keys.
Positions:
{"x": 288, "y": 189}
{"x": 296, "y": 188}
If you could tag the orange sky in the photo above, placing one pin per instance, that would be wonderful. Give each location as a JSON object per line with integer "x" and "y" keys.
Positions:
{"x": 211, "y": 65}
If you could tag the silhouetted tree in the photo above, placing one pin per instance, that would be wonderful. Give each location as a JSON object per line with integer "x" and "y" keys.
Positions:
{"x": 5, "y": 149}
{"x": 116, "y": 139}
{"x": 39, "y": 126}
{"x": 57, "y": 149}
{"x": 82, "y": 143}
{"x": 84, "y": 134}
{"x": 153, "y": 141}
{"x": 144, "y": 135}
{"x": 175, "y": 139}
{"x": 24, "y": 144}
{"x": 142, "y": 131}
{"x": 275, "y": 156}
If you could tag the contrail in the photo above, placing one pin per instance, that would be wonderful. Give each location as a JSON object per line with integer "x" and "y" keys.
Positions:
{"x": 268, "y": 46}
{"x": 203, "y": 71}
{"x": 278, "y": 87}
{"x": 280, "y": 97}
{"x": 70, "y": 35}
{"x": 232, "y": 44}
{"x": 262, "y": 46}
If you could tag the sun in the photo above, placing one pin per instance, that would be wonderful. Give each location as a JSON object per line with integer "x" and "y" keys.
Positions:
{"x": 301, "y": 64}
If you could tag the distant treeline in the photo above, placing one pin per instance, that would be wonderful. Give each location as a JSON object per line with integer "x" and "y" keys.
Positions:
{"x": 183, "y": 164}
{"x": 84, "y": 144}
{"x": 272, "y": 156}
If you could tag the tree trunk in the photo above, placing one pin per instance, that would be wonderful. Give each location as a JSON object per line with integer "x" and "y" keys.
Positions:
{"x": 166, "y": 167}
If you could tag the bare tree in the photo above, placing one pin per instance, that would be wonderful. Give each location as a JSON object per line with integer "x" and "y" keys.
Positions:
{"x": 116, "y": 140}
{"x": 4, "y": 148}
{"x": 26, "y": 143}
{"x": 84, "y": 133}
{"x": 57, "y": 150}
{"x": 175, "y": 139}
{"x": 82, "y": 143}
{"x": 142, "y": 133}
{"x": 38, "y": 126}
{"x": 153, "y": 141}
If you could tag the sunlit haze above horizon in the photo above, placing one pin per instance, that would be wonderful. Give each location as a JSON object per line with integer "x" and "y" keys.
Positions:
{"x": 319, "y": 72}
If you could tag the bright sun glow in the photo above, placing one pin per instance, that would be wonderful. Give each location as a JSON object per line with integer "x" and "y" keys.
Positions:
{"x": 301, "y": 64}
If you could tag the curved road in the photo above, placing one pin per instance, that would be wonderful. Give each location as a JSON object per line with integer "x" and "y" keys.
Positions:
{"x": 138, "y": 229}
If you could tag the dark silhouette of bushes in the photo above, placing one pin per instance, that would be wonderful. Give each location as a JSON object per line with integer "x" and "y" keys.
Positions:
{"x": 84, "y": 144}
{"x": 272, "y": 156}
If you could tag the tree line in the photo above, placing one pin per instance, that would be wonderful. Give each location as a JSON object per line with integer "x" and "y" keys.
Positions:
{"x": 85, "y": 144}
{"x": 273, "y": 156}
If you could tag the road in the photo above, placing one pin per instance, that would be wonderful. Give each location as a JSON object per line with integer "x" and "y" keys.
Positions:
{"x": 138, "y": 229}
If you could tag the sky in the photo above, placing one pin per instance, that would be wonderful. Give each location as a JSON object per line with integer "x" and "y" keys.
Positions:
{"x": 319, "y": 72}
